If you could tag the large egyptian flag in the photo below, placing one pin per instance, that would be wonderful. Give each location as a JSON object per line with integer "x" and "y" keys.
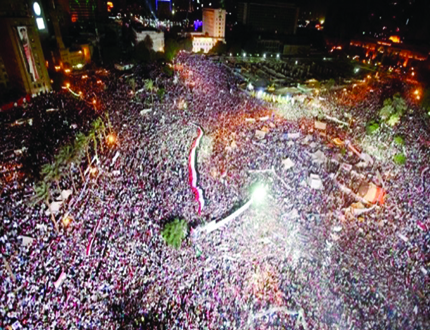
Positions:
{"x": 192, "y": 163}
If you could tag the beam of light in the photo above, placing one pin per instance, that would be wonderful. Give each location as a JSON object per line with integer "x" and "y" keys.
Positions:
{"x": 259, "y": 194}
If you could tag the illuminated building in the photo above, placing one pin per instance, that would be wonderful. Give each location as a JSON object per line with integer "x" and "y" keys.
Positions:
{"x": 163, "y": 7}
{"x": 214, "y": 22}
{"x": 213, "y": 30}
{"x": 3, "y": 75}
{"x": 269, "y": 16}
{"x": 21, "y": 50}
{"x": 157, "y": 37}
{"x": 404, "y": 52}
{"x": 205, "y": 44}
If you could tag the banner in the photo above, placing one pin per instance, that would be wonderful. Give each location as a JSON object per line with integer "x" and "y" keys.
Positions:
{"x": 27, "y": 53}
{"x": 198, "y": 193}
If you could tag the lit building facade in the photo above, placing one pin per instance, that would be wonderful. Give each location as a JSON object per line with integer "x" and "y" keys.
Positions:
{"x": 163, "y": 7}
{"x": 3, "y": 75}
{"x": 21, "y": 50}
{"x": 205, "y": 44}
{"x": 157, "y": 38}
{"x": 214, "y": 22}
{"x": 213, "y": 30}
{"x": 403, "y": 52}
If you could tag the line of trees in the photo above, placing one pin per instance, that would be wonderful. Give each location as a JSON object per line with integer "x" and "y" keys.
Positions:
{"x": 69, "y": 157}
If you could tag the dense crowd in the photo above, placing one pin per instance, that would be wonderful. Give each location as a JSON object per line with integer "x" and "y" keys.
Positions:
{"x": 302, "y": 260}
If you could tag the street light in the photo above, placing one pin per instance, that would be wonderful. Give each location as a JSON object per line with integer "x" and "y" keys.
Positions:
{"x": 66, "y": 221}
{"x": 111, "y": 139}
{"x": 93, "y": 171}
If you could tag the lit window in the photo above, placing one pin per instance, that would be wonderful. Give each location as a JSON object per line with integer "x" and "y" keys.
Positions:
{"x": 40, "y": 23}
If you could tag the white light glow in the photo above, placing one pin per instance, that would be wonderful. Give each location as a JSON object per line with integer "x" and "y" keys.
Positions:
{"x": 259, "y": 194}
{"x": 36, "y": 8}
{"x": 40, "y": 23}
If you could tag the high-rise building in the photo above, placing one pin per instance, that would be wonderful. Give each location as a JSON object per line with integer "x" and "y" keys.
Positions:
{"x": 83, "y": 9}
{"x": 268, "y": 16}
{"x": 4, "y": 79}
{"x": 213, "y": 30}
{"x": 214, "y": 22}
{"x": 164, "y": 8}
{"x": 21, "y": 49}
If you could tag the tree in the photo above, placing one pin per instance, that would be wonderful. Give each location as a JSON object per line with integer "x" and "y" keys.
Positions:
{"x": 399, "y": 159}
{"x": 92, "y": 135}
{"x": 149, "y": 85}
{"x": 82, "y": 144}
{"x": 43, "y": 195}
{"x": 160, "y": 93}
{"x": 67, "y": 157}
{"x": 330, "y": 84}
{"x": 52, "y": 172}
{"x": 393, "y": 110}
{"x": 171, "y": 48}
{"x": 174, "y": 232}
{"x": 425, "y": 103}
{"x": 132, "y": 83}
{"x": 219, "y": 48}
{"x": 149, "y": 44}
{"x": 141, "y": 52}
{"x": 99, "y": 130}
{"x": 78, "y": 154}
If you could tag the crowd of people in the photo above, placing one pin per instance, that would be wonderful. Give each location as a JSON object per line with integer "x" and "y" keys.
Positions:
{"x": 300, "y": 260}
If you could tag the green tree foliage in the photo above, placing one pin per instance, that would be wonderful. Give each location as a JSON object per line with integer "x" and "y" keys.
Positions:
{"x": 132, "y": 83}
{"x": 149, "y": 85}
{"x": 372, "y": 127}
{"x": 66, "y": 156}
{"x": 161, "y": 91}
{"x": 174, "y": 232}
{"x": 52, "y": 172}
{"x": 393, "y": 110}
{"x": 171, "y": 48}
{"x": 399, "y": 140}
{"x": 42, "y": 194}
{"x": 92, "y": 135}
{"x": 330, "y": 84}
{"x": 394, "y": 119}
{"x": 99, "y": 129}
{"x": 82, "y": 145}
{"x": 399, "y": 159}
{"x": 219, "y": 48}
{"x": 386, "y": 111}
{"x": 141, "y": 52}
{"x": 173, "y": 45}
{"x": 425, "y": 102}
{"x": 168, "y": 71}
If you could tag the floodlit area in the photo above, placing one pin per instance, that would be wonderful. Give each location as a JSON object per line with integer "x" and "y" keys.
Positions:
{"x": 189, "y": 201}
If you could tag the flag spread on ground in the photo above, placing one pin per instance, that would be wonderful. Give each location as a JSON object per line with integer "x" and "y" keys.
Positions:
{"x": 198, "y": 193}
{"x": 93, "y": 237}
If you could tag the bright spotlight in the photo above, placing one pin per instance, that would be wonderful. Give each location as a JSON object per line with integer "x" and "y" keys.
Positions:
{"x": 66, "y": 221}
{"x": 259, "y": 194}
{"x": 111, "y": 139}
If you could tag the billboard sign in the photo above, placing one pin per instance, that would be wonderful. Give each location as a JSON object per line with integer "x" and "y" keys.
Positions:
{"x": 27, "y": 53}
